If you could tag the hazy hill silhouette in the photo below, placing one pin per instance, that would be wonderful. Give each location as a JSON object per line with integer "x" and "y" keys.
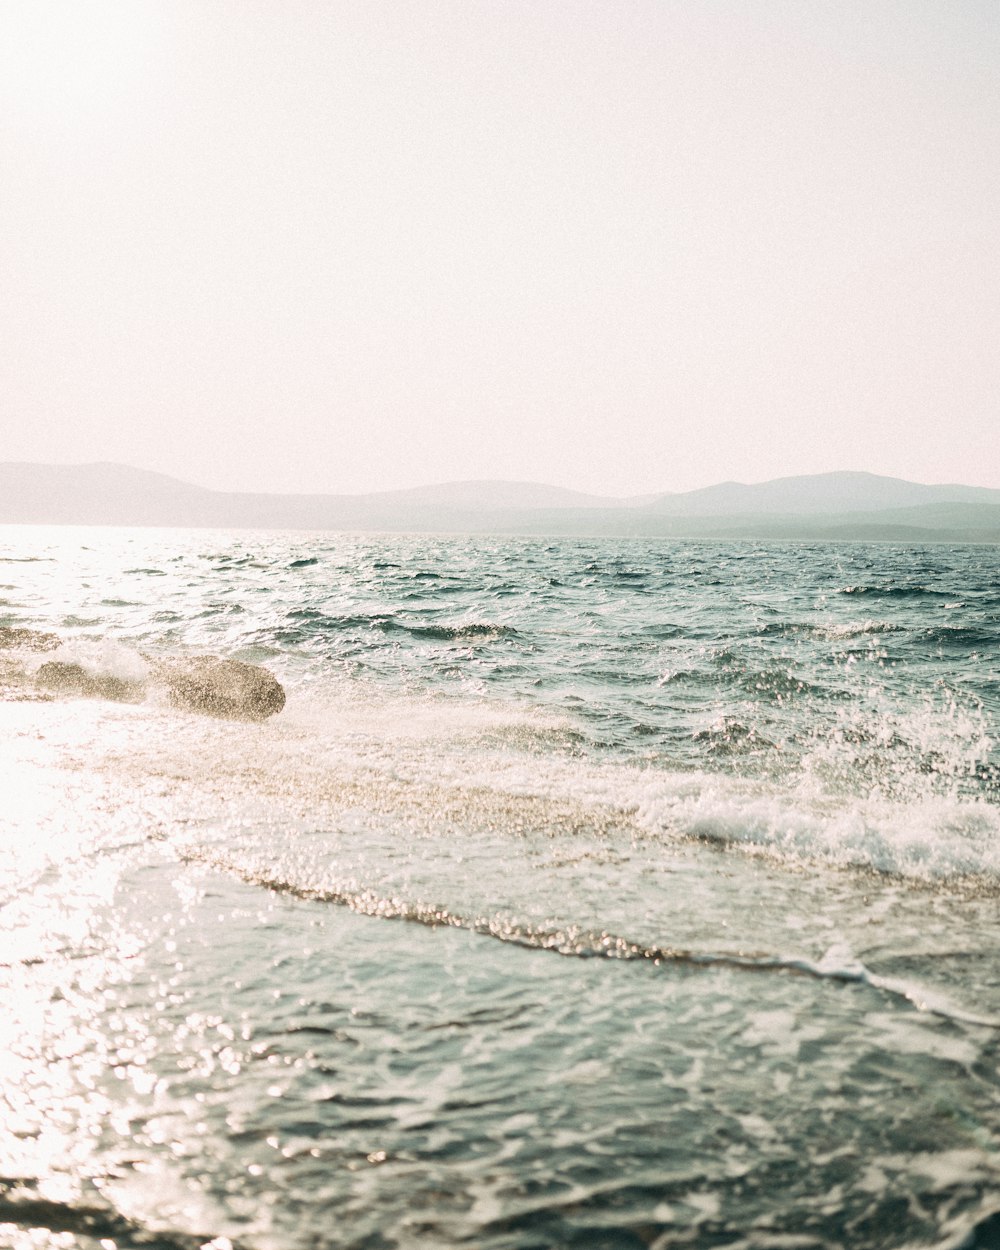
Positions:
{"x": 827, "y": 505}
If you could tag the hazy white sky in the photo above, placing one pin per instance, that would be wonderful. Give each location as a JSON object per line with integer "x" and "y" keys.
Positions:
{"x": 618, "y": 245}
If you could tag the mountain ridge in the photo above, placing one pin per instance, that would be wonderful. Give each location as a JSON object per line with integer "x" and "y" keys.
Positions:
{"x": 843, "y": 490}
{"x": 107, "y": 493}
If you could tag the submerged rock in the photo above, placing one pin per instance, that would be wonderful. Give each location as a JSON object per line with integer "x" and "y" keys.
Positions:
{"x": 26, "y": 639}
{"x": 216, "y": 687}
{"x": 227, "y": 688}
{"x": 66, "y": 678}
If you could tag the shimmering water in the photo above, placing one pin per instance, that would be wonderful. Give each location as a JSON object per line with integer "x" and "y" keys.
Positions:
{"x": 585, "y": 893}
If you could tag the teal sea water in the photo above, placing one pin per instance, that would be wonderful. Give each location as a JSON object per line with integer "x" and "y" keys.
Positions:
{"x": 598, "y": 894}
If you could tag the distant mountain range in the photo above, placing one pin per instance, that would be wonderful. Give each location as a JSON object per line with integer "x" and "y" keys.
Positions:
{"x": 826, "y": 506}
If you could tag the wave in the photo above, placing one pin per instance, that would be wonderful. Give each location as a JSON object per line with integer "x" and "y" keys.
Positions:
{"x": 908, "y": 794}
{"x": 313, "y": 621}
{"x": 473, "y": 631}
{"x": 772, "y": 684}
{"x": 229, "y": 561}
{"x": 926, "y": 838}
{"x": 662, "y": 631}
{"x": 963, "y": 637}
{"x": 892, "y": 590}
{"x": 729, "y": 736}
{"x": 325, "y": 620}
{"x": 779, "y": 684}
{"x": 622, "y": 572}
{"x": 827, "y": 632}
{"x": 578, "y": 943}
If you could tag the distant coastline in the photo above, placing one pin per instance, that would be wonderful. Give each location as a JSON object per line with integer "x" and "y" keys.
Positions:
{"x": 844, "y": 506}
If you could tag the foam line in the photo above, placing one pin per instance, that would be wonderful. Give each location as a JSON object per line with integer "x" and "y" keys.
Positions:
{"x": 590, "y": 944}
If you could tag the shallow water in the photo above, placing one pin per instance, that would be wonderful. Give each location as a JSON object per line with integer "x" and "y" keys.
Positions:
{"x": 589, "y": 893}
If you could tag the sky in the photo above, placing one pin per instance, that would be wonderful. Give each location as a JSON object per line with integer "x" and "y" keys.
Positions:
{"x": 622, "y": 246}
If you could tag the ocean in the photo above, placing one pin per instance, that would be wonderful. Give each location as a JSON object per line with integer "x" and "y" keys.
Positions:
{"x": 585, "y": 893}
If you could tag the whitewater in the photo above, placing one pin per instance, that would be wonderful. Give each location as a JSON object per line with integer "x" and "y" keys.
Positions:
{"x": 595, "y": 893}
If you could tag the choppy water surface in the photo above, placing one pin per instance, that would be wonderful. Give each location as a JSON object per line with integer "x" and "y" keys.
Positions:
{"x": 585, "y": 893}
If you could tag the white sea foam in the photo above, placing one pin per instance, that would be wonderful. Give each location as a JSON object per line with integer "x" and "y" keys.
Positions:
{"x": 909, "y": 818}
{"x": 931, "y": 839}
{"x": 102, "y": 657}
